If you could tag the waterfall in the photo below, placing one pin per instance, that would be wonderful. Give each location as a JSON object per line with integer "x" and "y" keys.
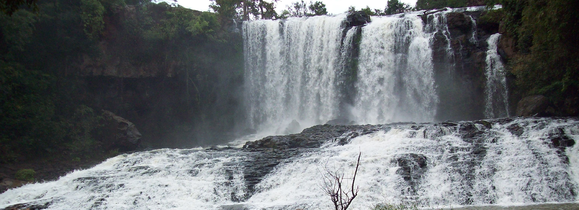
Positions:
{"x": 497, "y": 102}
{"x": 291, "y": 70}
{"x": 498, "y": 162}
{"x": 296, "y": 70}
{"x": 395, "y": 72}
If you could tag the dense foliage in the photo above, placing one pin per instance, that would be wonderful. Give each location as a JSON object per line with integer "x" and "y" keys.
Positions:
{"x": 435, "y": 4}
{"x": 243, "y": 9}
{"x": 301, "y": 9}
{"x": 47, "y": 107}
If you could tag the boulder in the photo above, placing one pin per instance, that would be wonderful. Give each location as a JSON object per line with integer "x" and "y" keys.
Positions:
{"x": 533, "y": 106}
{"x": 507, "y": 47}
{"x": 411, "y": 168}
{"x": 119, "y": 133}
{"x": 313, "y": 137}
{"x": 357, "y": 19}
{"x": 8, "y": 183}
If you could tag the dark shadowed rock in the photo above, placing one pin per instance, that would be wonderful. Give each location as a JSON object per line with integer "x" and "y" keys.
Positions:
{"x": 530, "y": 106}
{"x": 561, "y": 140}
{"x": 28, "y": 206}
{"x": 516, "y": 129}
{"x": 412, "y": 168}
{"x": 357, "y": 19}
{"x": 313, "y": 137}
{"x": 119, "y": 133}
{"x": 458, "y": 23}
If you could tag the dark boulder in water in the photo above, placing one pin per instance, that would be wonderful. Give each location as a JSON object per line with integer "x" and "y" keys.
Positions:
{"x": 312, "y": 137}
{"x": 412, "y": 168}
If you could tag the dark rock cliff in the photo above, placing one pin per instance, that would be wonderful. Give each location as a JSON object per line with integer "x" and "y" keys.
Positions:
{"x": 179, "y": 89}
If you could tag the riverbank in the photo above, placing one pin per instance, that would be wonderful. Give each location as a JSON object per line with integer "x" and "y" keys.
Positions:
{"x": 48, "y": 169}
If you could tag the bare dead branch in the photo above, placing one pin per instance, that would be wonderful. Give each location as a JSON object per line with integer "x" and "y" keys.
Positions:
{"x": 333, "y": 186}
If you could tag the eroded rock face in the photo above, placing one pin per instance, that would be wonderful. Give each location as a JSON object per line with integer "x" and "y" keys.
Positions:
{"x": 119, "y": 133}
{"x": 458, "y": 23}
{"x": 536, "y": 105}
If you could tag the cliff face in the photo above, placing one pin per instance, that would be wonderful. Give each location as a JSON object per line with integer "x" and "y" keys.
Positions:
{"x": 175, "y": 85}
{"x": 459, "y": 64}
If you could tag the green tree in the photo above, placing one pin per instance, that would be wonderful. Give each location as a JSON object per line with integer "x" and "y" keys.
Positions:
{"x": 318, "y": 8}
{"x": 18, "y": 30}
{"x": 395, "y": 7}
{"x": 92, "y": 14}
{"x": 301, "y": 9}
{"x": 547, "y": 60}
{"x": 10, "y": 6}
{"x": 243, "y": 9}
{"x": 436, "y": 4}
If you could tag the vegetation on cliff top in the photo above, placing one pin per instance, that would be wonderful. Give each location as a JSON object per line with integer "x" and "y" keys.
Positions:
{"x": 545, "y": 38}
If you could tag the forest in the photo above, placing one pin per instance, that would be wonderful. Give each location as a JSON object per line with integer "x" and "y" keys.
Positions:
{"x": 48, "y": 49}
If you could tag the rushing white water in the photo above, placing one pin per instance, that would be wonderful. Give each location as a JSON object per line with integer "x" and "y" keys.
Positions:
{"x": 497, "y": 101}
{"x": 291, "y": 69}
{"x": 395, "y": 72}
{"x": 428, "y": 165}
{"x": 296, "y": 70}
{"x": 473, "y": 29}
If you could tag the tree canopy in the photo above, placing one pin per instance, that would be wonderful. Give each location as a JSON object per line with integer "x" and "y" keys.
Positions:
{"x": 545, "y": 34}
{"x": 10, "y": 6}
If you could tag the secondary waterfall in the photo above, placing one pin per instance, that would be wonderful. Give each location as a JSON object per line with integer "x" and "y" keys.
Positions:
{"x": 497, "y": 102}
{"x": 498, "y": 162}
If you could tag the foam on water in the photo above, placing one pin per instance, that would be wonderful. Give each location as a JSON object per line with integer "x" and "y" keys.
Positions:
{"x": 429, "y": 165}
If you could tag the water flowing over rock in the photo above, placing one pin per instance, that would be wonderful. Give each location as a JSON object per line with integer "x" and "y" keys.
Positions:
{"x": 291, "y": 71}
{"x": 497, "y": 95}
{"x": 421, "y": 66}
{"x": 395, "y": 72}
{"x": 451, "y": 164}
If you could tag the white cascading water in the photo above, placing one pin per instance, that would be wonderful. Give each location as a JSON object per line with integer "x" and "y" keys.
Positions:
{"x": 497, "y": 101}
{"x": 291, "y": 69}
{"x": 428, "y": 165}
{"x": 395, "y": 72}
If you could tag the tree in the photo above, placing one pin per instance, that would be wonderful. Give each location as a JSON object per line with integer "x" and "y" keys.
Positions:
{"x": 318, "y": 8}
{"x": 340, "y": 195}
{"x": 92, "y": 13}
{"x": 395, "y": 7}
{"x": 10, "y": 6}
{"x": 243, "y": 9}
{"x": 435, "y": 4}
{"x": 301, "y": 9}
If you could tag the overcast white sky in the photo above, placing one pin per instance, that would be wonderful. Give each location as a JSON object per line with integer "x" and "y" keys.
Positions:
{"x": 333, "y": 6}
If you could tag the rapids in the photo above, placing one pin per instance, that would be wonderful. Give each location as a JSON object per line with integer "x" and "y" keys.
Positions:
{"x": 480, "y": 163}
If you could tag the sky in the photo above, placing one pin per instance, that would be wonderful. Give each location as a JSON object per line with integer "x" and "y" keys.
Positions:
{"x": 333, "y": 6}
